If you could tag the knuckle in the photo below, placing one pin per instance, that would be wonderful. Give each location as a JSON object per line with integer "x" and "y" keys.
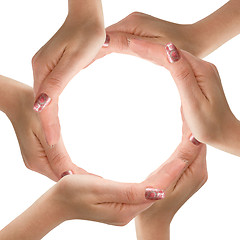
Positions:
{"x": 30, "y": 165}
{"x": 131, "y": 193}
{"x": 209, "y": 68}
{"x": 185, "y": 154}
{"x": 35, "y": 61}
{"x": 213, "y": 66}
{"x": 55, "y": 83}
{"x": 204, "y": 177}
{"x": 58, "y": 159}
{"x": 201, "y": 178}
{"x": 123, "y": 220}
{"x": 182, "y": 74}
{"x": 135, "y": 16}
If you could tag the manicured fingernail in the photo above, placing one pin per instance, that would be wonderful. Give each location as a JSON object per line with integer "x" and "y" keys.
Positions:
{"x": 69, "y": 172}
{"x": 194, "y": 140}
{"x": 106, "y": 43}
{"x": 172, "y": 53}
{"x": 42, "y": 101}
{"x": 154, "y": 194}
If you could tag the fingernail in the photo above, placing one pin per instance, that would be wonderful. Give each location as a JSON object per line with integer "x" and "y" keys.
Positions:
{"x": 69, "y": 172}
{"x": 106, "y": 43}
{"x": 154, "y": 194}
{"x": 172, "y": 53}
{"x": 42, "y": 101}
{"x": 194, "y": 140}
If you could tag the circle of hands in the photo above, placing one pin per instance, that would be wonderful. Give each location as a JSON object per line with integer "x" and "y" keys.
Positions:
{"x": 84, "y": 195}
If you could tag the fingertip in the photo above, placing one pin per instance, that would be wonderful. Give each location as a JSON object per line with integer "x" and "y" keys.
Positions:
{"x": 172, "y": 53}
{"x": 107, "y": 41}
{"x": 69, "y": 172}
{"x": 154, "y": 194}
{"x": 41, "y": 102}
{"x": 194, "y": 141}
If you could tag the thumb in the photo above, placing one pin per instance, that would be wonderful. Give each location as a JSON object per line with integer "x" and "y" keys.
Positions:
{"x": 117, "y": 42}
{"x": 48, "y": 94}
{"x": 174, "y": 60}
{"x": 129, "y": 193}
{"x": 149, "y": 190}
{"x": 60, "y": 161}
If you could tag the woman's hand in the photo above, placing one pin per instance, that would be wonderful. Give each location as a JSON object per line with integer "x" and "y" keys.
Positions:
{"x": 16, "y": 102}
{"x": 72, "y": 48}
{"x": 93, "y": 198}
{"x": 200, "y": 38}
{"x": 155, "y": 221}
{"x": 204, "y": 104}
{"x": 142, "y": 26}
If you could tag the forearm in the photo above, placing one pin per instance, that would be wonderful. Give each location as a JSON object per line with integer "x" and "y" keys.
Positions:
{"x": 148, "y": 229}
{"x": 229, "y": 138}
{"x": 216, "y": 29}
{"x": 90, "y": 9}
{"x": 10, "y": 94}
{"x": 35, "y": 222}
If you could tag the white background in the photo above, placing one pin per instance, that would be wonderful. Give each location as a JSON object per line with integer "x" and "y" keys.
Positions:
{"x": 120, "y": 119}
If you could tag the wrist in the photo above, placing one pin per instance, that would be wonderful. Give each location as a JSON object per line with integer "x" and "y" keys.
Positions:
{"x": 10, "y": 92}
{"x": 62, "y": 196}
{"x": 36, "y": 221}
{"x": 230, "y": 137}
{"x": 90, "y": 10}
{"x": 197, "y": 40}
{"x": 149, "y": 228}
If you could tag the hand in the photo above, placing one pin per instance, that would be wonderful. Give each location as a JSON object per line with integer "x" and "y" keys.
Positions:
{"x": 72, "y": 48}
{"x": 36, "y": 153}
{"x": 204, "y": 104}
{"x": 91, "y": 198}
{"x": 142, "y": 26}
{"x": 155, "y": 221}
{"x": 200, "y": 38}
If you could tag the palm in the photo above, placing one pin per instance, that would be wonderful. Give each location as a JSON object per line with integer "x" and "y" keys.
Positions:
{"x": 36, "y": 153}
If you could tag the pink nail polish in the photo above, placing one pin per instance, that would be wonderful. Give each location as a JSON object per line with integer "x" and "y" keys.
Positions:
{"x": 154, "y": 194}
{"x": 42, "y": 101}
{"x": 194, "y": 140}
{"x": 106, "y": 44}
{"x": 172, "y": 53}
{"x": 69, "y": 172}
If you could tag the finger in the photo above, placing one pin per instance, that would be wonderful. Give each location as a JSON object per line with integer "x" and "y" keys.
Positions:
{"x": 125, "y": 193}
{"x": 50, "y": 123}
{"x": 196, "y": 174}
{"x": 170, "y": 172}
{"x": 172, "y": 59}
{"x": 49, "y": 91}
{"x": 151, "y": 189}
{"x": 118, "y": 42}
{"x": 60, "y": 161}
